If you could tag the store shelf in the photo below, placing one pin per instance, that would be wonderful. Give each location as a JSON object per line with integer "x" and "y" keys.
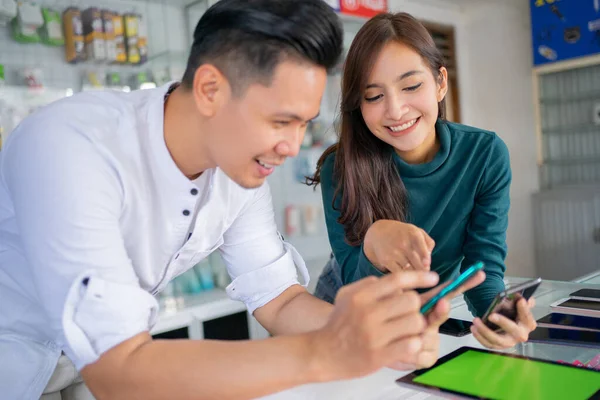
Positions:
{"x": 572, "y": 130}
{"x": 176, "y": 314}
{"x": 563, "y": 99}
{"x": 573, "y": 161}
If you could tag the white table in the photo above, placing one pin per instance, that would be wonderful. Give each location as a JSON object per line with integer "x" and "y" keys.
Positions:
{"x": 381, "y": 385}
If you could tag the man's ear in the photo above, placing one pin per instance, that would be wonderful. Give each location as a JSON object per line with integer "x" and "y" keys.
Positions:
{"x": 211, "y": 89}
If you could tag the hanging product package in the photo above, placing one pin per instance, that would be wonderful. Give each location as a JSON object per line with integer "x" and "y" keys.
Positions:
{"x": 51, "y": 32}
{"x": 8, "y": 11}
{"x": 73, "y": 30}
{"x": 142, "y": 39}
{"x": 119, "y": 32}
{"x": 131, "y": 23}
{"x": 29, "y": 19}
{"x": 93, "y": 32}
{"x": 109, "y": 35}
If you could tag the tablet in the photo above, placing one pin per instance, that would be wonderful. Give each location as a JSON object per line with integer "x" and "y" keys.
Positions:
{"x": 568, "y": 321}
{"x": 570, "y": 337}
{"x": 577, "y": 307}
{"x": 586, "y": 294}
{"x": 470, "y": 373}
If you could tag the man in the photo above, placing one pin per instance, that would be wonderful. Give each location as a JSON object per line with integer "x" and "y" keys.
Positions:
{"x": 105, "y": 197}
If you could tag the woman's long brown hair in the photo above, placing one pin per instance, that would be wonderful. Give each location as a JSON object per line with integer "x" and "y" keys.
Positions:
{"x": 364, "y": 169}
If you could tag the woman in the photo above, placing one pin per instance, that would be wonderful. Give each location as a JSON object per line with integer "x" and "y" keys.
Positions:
{"x": 403, "y": 188}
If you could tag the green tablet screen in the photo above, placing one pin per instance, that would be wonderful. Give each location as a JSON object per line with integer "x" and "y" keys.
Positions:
{"x": 501, "y": 377}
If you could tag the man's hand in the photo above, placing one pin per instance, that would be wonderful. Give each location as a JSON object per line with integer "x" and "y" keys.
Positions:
{"x": 438, "y": 315}
{"x": 375, "y": 322}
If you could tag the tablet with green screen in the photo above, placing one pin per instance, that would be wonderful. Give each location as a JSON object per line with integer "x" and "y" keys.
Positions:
{"x": 470, "y": 373}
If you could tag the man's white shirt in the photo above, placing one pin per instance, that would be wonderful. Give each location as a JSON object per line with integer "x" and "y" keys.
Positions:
{"x": 96, "y": 218}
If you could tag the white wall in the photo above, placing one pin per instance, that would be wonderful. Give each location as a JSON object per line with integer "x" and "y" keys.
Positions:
{"x": 498, "y": 96}
{"x": 495, "y": 83}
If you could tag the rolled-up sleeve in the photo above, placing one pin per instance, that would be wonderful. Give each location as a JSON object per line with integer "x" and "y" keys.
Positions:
{"x": 68, "y": 200}
{"x": 261, "y": 264}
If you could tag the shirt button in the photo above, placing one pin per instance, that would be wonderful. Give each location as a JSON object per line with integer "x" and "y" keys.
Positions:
{"x": 186, "y": 212}
{"x": 194, "y": 192}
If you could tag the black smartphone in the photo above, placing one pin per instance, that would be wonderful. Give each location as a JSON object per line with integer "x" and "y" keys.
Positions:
{"x": 586, "y": 294}
{"x": 568, "y": 321}
{"x": 456, "y": 327}
{"x": 505, "y": 302}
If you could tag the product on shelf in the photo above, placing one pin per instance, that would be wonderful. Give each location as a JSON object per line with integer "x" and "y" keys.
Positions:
{"x": 73, "y": 29}
{"x": 113, "y": 80}
{"x": 29, "y": 19}
{"x": 143, "y": 40}
{"x": 131, "y": 23}
{"x": 311, "y": 214}
{"x": 33, "y": 78}
{"x": 142, "y": 80}
{"x": 93, "y": 81}
{"x": 51, "y": 32}
{"x": 8, "y": 11}
{"x": 2, "y": 78}
{"x": 161, "y": 75}
{"x": 292, "y": 220}
{"x": 109, "y": 35}
{"x": 93, "y": 32}
{"x": 121, "y": 57}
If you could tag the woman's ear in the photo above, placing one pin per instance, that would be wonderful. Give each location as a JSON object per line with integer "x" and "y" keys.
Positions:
{"x": 442, "y": 84}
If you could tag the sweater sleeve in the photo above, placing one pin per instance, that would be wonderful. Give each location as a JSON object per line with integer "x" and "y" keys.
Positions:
{"x": 486, "y": 232}
{"x": 352, "y": 260}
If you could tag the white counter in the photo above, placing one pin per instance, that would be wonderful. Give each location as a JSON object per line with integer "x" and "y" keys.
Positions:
{"x": 382, "y": 386}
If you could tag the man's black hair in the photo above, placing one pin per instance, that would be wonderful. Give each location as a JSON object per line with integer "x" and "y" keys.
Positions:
{"x": 247, "y": 39}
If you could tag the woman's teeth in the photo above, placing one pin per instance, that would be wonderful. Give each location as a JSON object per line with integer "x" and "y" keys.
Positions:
{"x": 402, "y": 127}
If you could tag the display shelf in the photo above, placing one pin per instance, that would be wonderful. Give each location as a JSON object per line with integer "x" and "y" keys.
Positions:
{"x": 176, "y": 313}
{"x": 569, "y": 98}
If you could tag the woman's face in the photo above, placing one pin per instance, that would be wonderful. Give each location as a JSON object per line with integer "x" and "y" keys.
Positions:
{"x": 400, "y": 104}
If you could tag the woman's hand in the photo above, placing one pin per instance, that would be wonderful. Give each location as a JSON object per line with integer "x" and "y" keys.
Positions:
{"x": 395, "y": 246}
{"x": 512, "y": 332}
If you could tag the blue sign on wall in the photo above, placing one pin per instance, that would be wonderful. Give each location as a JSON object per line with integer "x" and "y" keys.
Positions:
{"x": 564, "y": 29}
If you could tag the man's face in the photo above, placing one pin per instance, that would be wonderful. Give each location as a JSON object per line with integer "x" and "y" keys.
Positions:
{"x": 255, "y": 132}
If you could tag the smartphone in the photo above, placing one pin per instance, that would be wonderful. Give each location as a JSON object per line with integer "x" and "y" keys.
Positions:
{"x": 577, "y": 307}
{"x": 586, "y": 294}
{"x": 505, "y": 302}
{"x": 567, "y": 321}
{"x": 456, "y": 327}
{"x": 455, "y": 284}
